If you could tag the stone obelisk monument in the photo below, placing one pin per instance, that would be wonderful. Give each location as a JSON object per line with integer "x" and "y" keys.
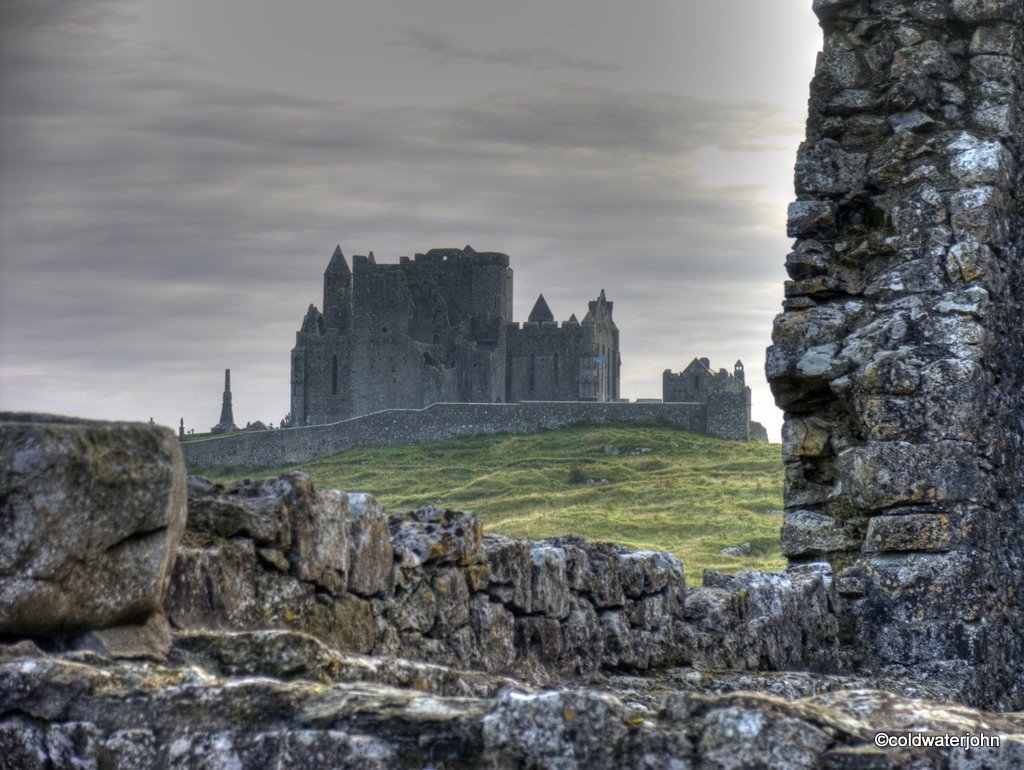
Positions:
{"x": 227, "y": 420}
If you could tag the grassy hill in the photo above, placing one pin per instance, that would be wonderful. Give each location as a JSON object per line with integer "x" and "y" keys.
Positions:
{"x": 688, "y": 494}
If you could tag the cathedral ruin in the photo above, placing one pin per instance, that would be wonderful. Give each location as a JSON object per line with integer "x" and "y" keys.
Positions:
{"x": 438, "y": 328}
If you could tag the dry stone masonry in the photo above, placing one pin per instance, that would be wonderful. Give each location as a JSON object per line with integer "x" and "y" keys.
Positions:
{"x": 279, "y": 588}
{"x": 428, "y": 585}
{"x": 899, "y": 358}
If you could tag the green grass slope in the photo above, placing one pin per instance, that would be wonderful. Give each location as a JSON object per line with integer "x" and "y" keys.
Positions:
{"x": 689, "y": 494}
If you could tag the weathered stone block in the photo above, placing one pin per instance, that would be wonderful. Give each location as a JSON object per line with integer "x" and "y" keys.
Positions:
{"x": 988, "y": 10}
{"x": 906, "y": 642}
{"x": 557, "y": 729}
{"x": 431, "y": 535}
{"x": 884, "y": 474}
{"x": 991, "y": 68}
{"x": 848, "y": 9}
{"x": 891, "y": 418}
{"x": 843, "y": 68}
{"x": 648, "y": 572}
{"x": 924, "y": 586}
{"x": 371, "y": 556}
{"x": 980, "y": 162}
{"x": 319, "y": 536}
{"x": 285, "y": 514}
{"x": 979, "y": 215}
{"x": 970, "y": 261}
{"x": 92, "y": 514}
{"x": 603, "y": 582}
{"x": 807, "y": 533}
{"x": 1001, "y": 39}
{"x": 494, "y": 630}
{"x": 584, "y": 639}
{"x": 910, "y": 532}
{"x": 415, "y": 610}
{"x": 539, "y": 637}
{"x": 807, "y": 218}
{"x": 928, "y": 58}
{"x": 805, "y": 438}
{"x": 245, "y": 508}
{"x": 550, "y": 582}
{"x": 511, "y": 571}
{"x": 824, "y": 167}
{"x": 890, "y": 372}
{"x": 151, "y": 640}
{"x": 452, "y": 596}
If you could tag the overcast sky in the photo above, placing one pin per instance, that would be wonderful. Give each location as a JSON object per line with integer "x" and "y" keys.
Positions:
{"x": 175, "y": 174}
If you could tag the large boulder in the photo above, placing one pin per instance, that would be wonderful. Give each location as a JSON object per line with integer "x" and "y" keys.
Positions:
{"x": 91, "y": 515}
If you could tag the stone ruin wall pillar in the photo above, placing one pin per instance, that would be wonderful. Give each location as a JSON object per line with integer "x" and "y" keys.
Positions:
{"x": 899, "y": 357}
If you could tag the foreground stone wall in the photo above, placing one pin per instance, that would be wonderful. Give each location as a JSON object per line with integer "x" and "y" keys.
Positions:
{"x": 275, "y": 584}
{"x": 440, "y": 421}
{"x": 428, "y": 585}
{"x": 61, "y": 713}
{"x": 899, "y": 358}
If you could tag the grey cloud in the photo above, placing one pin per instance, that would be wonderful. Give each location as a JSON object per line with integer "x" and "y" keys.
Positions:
{"x": 156, "y": 226}
{"x": 438, "y": 48}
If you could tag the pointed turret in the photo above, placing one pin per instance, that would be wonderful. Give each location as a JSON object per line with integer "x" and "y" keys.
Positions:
{"x": 573, "y": 321}
{"x": 227, "y": 419}
{"x": 338, "y": 263}
{"x": 338, "y": 293}
{"x": 738, "y": 372}
{"x": 541, "y": 313}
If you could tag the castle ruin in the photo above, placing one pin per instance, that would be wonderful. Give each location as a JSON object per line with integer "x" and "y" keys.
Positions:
{"x": 898, "y": 357}
{"x": 438, "y": 328}
{"x": 725, "y": 396}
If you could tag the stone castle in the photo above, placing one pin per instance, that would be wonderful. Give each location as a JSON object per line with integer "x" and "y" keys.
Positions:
{"x": 725, "y": 396}
{"x": 439, "y": 328}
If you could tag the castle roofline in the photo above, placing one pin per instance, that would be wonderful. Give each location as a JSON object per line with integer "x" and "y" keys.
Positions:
{"x": 338, "y": 263}
{"x": 541, "y": 313}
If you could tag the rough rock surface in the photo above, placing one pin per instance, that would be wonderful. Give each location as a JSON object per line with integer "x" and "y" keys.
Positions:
{"x": 277, "y": 587}
{"x": 267, "y": 700}
{"x": 899, "y": 357}
{"x": 428, "y": 585}
{"x": 91, "y": 515}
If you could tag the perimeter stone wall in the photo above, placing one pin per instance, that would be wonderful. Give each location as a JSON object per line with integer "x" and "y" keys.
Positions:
{"x": 440, "y": 421}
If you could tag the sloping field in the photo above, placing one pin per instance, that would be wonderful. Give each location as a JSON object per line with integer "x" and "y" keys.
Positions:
{"x": 665, "y": 489}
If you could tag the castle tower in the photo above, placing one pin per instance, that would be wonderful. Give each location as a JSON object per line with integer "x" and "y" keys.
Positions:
{"x": 227, "y": 420}
{"x": 338, "y": 293}
{"x": 738, "y": 373}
